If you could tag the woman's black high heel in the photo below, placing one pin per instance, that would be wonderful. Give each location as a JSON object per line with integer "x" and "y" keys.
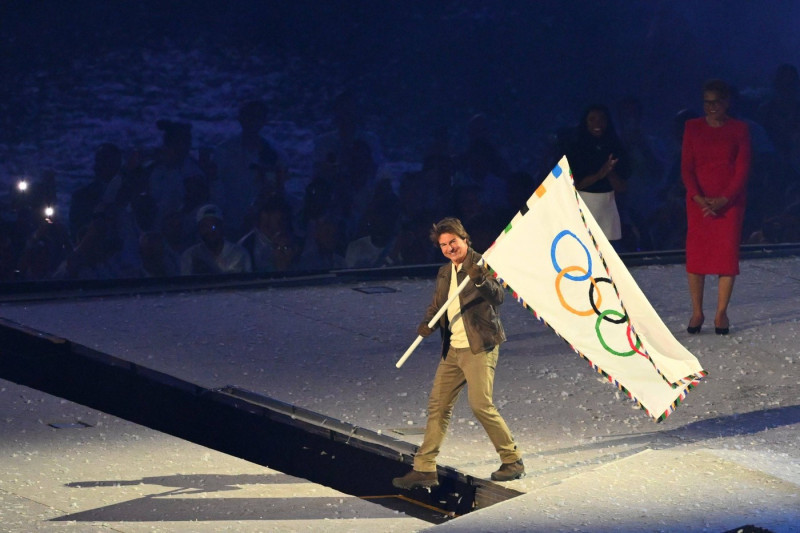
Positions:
{"x": 694, "y": 330}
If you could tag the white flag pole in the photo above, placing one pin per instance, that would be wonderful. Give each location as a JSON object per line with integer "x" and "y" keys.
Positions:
{"x": 436, "y": 317}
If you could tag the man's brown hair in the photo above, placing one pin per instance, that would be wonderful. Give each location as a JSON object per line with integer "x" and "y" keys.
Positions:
{"x": 448, "y": 225}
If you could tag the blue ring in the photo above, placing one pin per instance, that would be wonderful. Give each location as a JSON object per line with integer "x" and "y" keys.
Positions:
{"x": 555, "y": 261}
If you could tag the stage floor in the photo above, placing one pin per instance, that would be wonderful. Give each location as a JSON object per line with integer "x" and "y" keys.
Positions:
{"x": 728, "y": 457}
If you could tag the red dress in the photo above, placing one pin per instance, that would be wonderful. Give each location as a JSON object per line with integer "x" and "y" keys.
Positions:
{"x": 715, "y": 162}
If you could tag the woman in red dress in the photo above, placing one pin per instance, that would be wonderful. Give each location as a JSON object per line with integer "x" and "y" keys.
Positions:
{"x": 714, "y": 166}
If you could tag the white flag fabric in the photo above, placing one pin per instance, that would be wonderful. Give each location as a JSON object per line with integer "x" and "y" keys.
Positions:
{"x": 555, "y": 260}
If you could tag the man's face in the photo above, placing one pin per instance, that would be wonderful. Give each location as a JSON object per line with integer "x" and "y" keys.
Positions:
{"x": 453, "y": 247}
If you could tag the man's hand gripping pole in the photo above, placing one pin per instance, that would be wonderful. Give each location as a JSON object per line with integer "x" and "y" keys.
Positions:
{"x": 435, "y": 319}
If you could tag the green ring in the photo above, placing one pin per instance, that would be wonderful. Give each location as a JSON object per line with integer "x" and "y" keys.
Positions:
{"x": 603, "y": 342}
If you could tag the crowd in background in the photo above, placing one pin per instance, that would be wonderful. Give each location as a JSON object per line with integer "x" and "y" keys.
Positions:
{"x": 181, "y": 211}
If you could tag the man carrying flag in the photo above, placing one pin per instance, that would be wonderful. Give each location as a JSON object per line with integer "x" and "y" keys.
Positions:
{"x": 471, "y": 336}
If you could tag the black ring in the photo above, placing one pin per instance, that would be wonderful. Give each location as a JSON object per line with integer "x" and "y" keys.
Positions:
{"x": 594, "y": 306}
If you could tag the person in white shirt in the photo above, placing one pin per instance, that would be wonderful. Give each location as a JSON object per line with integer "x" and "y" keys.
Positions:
{"x": 213, "y": 254}
{"x": 246, "y": 166}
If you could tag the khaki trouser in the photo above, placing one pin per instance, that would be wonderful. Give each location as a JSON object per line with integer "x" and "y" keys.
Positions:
{"x": 476, "y": 371}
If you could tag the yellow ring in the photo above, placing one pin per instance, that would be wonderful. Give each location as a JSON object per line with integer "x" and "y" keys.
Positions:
{"x": 566, "y": 306}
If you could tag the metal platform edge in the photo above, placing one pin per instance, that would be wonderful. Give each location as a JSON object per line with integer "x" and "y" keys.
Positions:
{"x": 232, "y": 420}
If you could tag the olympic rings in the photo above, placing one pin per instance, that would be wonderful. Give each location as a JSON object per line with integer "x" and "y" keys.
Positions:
{"x": 603, "y": 342}
{"x": 563, "y": 274}
{"x": 602, "y": 316}
{"x": 595, "y": 306}
{"x": 558, "y": 268}
{"x": 638, "y": 341}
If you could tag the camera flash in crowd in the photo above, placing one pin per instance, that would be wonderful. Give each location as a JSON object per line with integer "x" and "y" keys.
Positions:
{"x": 22, "y": 185}
{"x": 49, "y": 212}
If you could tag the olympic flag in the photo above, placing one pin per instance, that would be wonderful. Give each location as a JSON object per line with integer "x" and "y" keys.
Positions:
{"x": 555, "y": 260}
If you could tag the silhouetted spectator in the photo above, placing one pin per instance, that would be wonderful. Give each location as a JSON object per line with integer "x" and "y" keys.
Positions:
{"x": 158, "y": 259}
{"x": 324, "y": 244}
{"x": 482, "y": 166}
{"x": 45, "y": 250}
{"x": 213, "y": 254}
{"x": 349, "y": 158}
{"x": 179, "y": 233}
{"x": 318, "y": 202}
{"x": 417, "y": 208}
{"x": 641, "y": 199}
{"x": 323, "y": 227}
{"x": 467, "y": 202}
{"x": 668, "y": 224}
{"x": 553, "y": 145}
{"x": 774, "y": 175}
{"x": 30, "y": 201}
{"x": 173, "y": 165}
{"x": 413, "y": 241}
{"x": 8, "y": 259}
{"x": 780, "y": 228}
{"x": 414, "y": 196}
{"x": 332, "y": 150}
{"x": 479, "y": 139}
{"x": 135, "y": 191}
{"x": 271, "y": 244}
{"x": 352, "y": 186}
{"x": 96, "y": 254}
{"x": 378, "y": 244}
{"x": 84, "y": 201}
{"x": 439, "y": 166}
{"x": 780, "y": 114}
{"x": 520, "y": 188}
{"x": 247, "y": 166}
